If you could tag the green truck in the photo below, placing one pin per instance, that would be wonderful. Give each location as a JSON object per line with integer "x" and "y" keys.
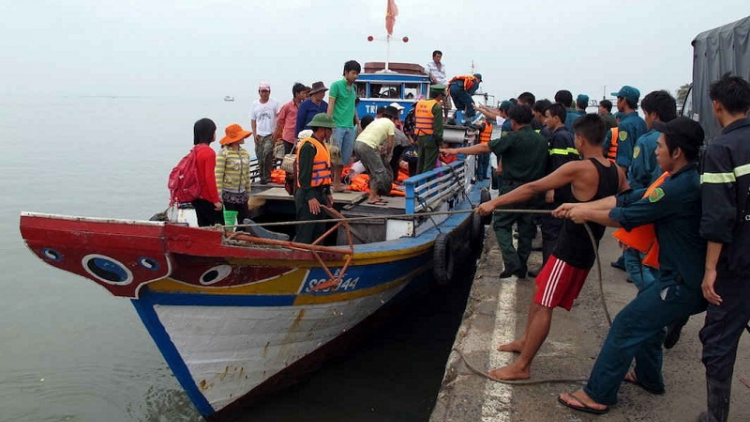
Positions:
{"x": 716, "y": 52}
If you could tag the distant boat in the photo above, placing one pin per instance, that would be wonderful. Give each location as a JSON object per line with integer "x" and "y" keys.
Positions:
{"x": 228, "y": 98}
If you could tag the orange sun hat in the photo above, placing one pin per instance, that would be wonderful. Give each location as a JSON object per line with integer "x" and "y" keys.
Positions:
{"x": 235, "y": 133}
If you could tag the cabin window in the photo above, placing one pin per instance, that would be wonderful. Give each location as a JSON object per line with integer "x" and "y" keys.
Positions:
{"x": 412, "y": 90}
{"x": 361, "y": 89}
{"x": 385, "y": 90}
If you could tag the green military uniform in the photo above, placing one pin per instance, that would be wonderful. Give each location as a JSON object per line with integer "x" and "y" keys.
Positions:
{"x": 524, "y": 155}
{"x": 429, "y": 145}
{"x": 609, "y": 118}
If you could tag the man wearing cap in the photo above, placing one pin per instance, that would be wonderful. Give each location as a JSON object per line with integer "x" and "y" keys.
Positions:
{"x": 372, "y": 145}
{"x": 725, "y": 185}
{"x": 287, "y": 120}
{"x": 313, "y": 179}
{"x": 674, "y": 209}
{"x": 428, "y": 127}
{"x": 263, "y": 120}
{"x": 312, "y": 106}
{"x": 461, "y": 89}
{"x": 605, "y": 111}
{"x": 631, "y": 126}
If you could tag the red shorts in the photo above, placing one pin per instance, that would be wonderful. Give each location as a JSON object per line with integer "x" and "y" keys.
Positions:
{"x": 559, "y": 284}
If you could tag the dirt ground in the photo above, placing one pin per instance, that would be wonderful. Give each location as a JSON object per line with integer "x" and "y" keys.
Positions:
{"x": 496, "y": 313}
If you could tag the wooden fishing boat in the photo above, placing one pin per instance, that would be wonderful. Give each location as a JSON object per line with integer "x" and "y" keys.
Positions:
{"x": 237, "y": 314}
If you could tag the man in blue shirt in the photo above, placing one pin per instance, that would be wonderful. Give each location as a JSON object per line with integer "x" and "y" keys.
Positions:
{"x": 674, "y": 208}
{"x": 658, "y": 106}
{"x": 631, "y": 125}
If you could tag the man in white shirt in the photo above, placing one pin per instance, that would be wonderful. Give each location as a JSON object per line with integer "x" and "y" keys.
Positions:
{"x": 436, "y": 71}
{"x": 263, "y": 119}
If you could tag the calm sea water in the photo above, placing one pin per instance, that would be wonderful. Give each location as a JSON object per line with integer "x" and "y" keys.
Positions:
{"x": 72, "y": 352}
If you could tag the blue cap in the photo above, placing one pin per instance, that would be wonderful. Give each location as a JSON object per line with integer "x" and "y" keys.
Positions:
{"x": 582, "y": 98}
{"x": 628, "y": 92}
{"x": 505, "y": 105}
{"x": 478, "y": 76}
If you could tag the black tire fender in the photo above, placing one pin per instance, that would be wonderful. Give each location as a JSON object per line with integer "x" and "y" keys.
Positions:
{"x": 484, "y": 196}
{"x": 476, "y": 234}
{"x": 443, "y": 259}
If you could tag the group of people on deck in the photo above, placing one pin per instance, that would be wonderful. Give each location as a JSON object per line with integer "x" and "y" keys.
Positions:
{"x": 683, "y": 220}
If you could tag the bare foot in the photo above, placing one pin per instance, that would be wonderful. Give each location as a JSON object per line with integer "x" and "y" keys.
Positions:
{"x": 510, "y": 372}
{"x": 515, "y": 347}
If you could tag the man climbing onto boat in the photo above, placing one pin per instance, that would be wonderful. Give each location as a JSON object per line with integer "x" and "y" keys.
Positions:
{"x": 313, "y": 178}
{"x": 461, "y": 90}
{"x": 563, "y": 275}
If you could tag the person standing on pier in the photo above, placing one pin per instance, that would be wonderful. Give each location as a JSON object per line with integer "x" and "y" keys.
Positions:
{"x": 524, "y": 153}
{"x": 725, "y": 185}
{"x": 562, "y": 277}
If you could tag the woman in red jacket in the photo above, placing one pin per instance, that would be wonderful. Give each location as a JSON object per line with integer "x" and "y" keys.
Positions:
{"x": 208, "y": 205}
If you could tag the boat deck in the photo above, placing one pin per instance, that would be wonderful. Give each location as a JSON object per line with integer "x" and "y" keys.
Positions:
{"x": 356, "y": 202}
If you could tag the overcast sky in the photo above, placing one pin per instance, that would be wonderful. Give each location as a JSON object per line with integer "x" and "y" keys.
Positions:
{"x": 204, "y": 48}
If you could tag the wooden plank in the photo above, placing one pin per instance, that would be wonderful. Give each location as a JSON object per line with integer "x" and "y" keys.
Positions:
{"x": 282, "y": 194}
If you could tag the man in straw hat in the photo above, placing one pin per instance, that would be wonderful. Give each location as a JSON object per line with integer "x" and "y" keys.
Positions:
{"x": 428, "y": 127}
{"x": 314, "y": 178}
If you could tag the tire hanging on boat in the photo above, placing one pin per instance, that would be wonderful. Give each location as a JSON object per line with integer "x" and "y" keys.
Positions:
{"x": 476, "y": 232}
{"x": 443, "y": 259}
{"x": 484, "y": 196}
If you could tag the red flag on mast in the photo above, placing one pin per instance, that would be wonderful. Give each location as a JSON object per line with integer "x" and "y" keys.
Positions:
{"x": 390, "y": 16}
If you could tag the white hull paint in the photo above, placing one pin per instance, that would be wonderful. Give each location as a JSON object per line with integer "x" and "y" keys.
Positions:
{"x": 229, "y": 351}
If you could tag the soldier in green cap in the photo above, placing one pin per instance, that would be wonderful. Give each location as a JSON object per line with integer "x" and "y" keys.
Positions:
{"x": 313, "y": 178}
{"x": 428, "y": 127}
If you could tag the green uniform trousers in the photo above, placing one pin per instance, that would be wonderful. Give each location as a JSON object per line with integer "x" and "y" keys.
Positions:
{"x": 307, "y": 233}
{"x": 428, "y": 153}
{"x": 502, "y": 223}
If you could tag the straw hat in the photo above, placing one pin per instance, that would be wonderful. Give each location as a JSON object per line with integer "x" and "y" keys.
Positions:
{"x": 234, "y": 133}
{"x": 318, "y": 87}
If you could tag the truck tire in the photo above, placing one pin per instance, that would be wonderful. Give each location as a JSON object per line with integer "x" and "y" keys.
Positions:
{"x": 484, "y": 196}
{"x": 476, "y": 236}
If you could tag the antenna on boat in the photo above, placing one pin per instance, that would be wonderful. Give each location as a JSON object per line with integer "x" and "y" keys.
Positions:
{"x": 390, "y": 19}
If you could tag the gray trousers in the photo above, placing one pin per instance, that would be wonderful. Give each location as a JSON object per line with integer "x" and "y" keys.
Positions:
{"x": 264, "y": 153}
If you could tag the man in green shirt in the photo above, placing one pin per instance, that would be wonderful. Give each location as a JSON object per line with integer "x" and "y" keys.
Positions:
{"x": 342, "y": 107}
{"x": 428, "y": 126}
{"x": 524, "y": 153}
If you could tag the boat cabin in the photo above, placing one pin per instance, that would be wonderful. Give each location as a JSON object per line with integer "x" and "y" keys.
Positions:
{"x": 403, "y": 83}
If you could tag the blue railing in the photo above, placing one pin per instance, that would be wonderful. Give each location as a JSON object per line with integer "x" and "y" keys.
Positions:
{"x": 428, "y": 190}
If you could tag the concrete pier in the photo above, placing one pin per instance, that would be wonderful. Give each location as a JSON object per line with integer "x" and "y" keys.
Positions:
{"x": 496, "y": 314}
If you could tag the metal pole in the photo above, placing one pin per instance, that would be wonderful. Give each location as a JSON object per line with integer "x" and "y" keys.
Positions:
{"x": 387, "y": 51}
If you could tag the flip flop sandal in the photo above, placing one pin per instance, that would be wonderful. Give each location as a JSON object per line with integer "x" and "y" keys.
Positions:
{"x": 380, "y": 203}
{"x": 582, "y": 407}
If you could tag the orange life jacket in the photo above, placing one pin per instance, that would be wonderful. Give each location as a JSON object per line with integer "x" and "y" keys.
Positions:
{"x": 321, "y": 169}
{"x": 643, "y": 238}
{"x": 486, "y": 134}
{"x": 611, "y": 154}
{"x": 469, "y": 81}
{"x": 423, "y": 117}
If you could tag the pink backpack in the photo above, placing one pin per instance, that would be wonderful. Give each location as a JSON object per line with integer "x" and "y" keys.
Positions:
{"x": 183, "y": 184}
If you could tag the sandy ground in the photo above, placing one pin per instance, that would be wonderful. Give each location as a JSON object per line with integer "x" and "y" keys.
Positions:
{"x": 496, "y": 313}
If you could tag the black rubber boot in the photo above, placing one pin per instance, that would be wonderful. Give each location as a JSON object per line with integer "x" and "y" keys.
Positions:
{"x": 718, "y": 401}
